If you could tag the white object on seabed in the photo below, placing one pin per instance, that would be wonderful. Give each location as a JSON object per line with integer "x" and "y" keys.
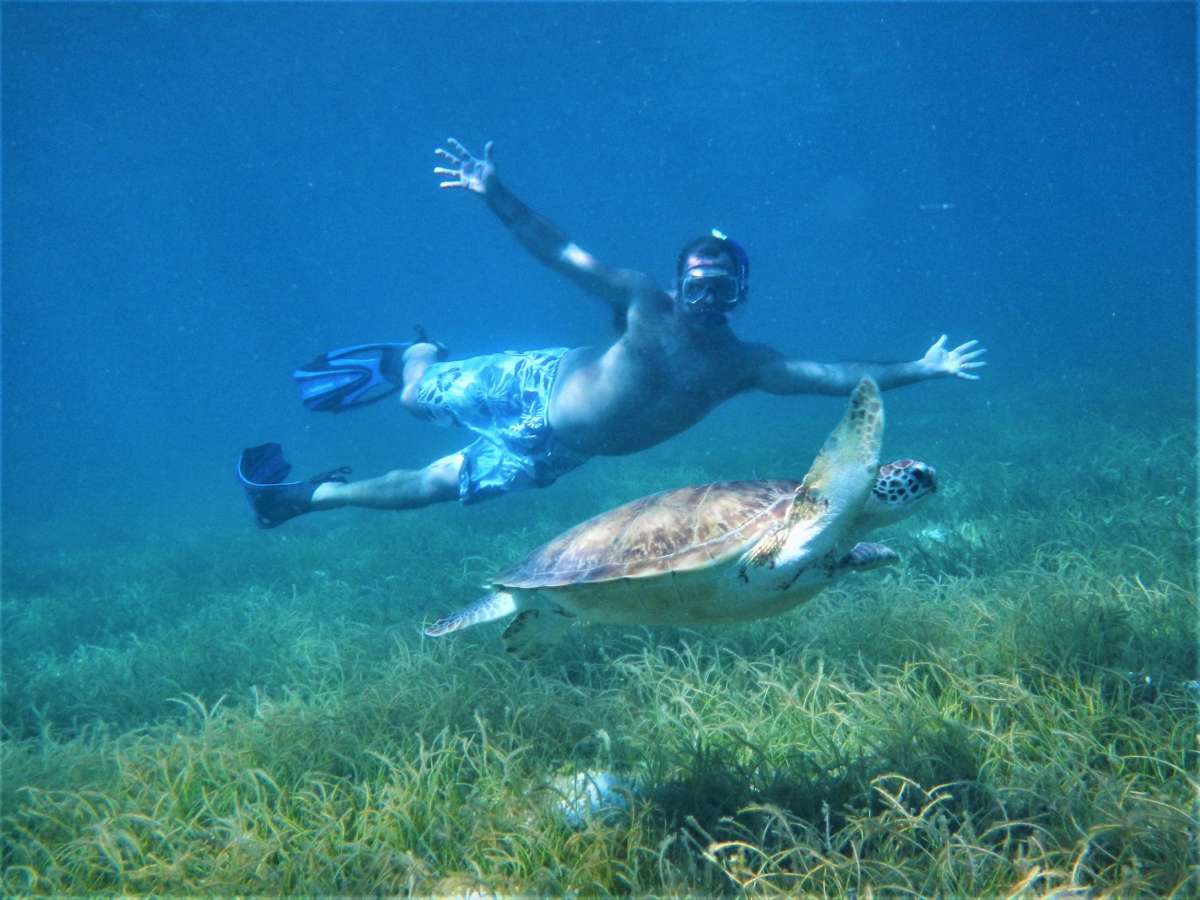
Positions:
{"x": 592, "y": 795}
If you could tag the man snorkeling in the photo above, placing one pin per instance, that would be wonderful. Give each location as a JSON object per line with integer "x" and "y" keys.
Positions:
{"x": 539, "y": 414}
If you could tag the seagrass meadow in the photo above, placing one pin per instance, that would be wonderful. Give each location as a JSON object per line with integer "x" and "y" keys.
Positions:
{"x": 1010, "y": 711}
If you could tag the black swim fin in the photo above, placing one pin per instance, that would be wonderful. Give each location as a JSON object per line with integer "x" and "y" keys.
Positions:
{"x": 261, "y": 471}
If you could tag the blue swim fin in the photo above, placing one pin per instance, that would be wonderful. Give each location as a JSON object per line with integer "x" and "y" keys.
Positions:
{"x": 350, "y": 377}
{"x": 261, "y": 471}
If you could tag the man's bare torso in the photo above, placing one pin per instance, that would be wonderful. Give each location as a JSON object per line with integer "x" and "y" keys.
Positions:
{"x": 658, "y": 379}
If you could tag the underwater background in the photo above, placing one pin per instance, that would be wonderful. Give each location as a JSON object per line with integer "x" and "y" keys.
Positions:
{"x": 197, "y": 198}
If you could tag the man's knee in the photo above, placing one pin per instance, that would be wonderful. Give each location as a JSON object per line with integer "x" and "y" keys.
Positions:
{"x": 440, "y": 479}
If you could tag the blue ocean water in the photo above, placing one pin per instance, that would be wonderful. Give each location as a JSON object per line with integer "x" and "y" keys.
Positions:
{"x": 199, "y": 197}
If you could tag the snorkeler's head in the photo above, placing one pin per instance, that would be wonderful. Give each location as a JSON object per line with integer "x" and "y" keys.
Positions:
{"x": 713, "y": 273}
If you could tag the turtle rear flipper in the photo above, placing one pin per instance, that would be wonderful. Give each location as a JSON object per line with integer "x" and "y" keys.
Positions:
{"x": 867, "y": 555}
{"x": 534, "y": 630}
{"x": 486, "y": 609}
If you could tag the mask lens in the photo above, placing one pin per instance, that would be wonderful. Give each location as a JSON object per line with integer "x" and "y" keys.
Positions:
{"x": 711, "y": 290}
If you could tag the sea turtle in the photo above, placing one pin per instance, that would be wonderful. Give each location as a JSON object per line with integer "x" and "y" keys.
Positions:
{"x": 713, "y": 553}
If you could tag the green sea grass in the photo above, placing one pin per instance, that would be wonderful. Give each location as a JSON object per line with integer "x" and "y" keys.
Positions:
{"x": 1009, "y": 712}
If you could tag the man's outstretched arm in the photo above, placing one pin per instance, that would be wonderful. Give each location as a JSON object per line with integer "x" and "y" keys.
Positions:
{"x": 779, "y": 375}
{"x": 537, "y": 233}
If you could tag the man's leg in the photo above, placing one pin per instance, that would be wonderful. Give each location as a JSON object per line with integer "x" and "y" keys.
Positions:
{"x": 417, "y": 359}
{"x": 398, "y": 489}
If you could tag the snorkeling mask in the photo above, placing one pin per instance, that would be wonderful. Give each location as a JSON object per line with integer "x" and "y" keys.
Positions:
{"x": 710, "y": 287}
{"x": 716, "y": 288}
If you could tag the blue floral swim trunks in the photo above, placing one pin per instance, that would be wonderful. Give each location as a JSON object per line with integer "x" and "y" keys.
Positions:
{"x": 505, "y": 399}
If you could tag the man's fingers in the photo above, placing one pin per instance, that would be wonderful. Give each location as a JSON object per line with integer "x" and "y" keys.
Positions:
{"x": 968, "y": 376}
{"x": 448, "y": 156}
{"x": 442, "y": 170}
{"x": 457, "y": 147}
{"x": 939, "y": 343}
{"x": 972, "y": 365}
{"x": 961, "y": 347}
{"x": 974, "y": 353}
{"x": 487, "y": 151}
{"x": 456, "y": 184}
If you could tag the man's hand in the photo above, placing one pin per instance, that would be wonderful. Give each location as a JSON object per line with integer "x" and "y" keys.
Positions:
{"x": 465, "y": 171}
{"x": 957, "y": 362}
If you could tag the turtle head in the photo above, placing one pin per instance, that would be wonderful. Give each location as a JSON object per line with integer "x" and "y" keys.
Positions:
{"x": 900, "y": 487}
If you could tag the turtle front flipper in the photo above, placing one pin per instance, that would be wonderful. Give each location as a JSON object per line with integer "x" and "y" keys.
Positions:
{"x": 835, "y": 488}
{"x": 845, "y": 468}
{"x": 487, "y": 609}
{"x": 866, "y": 555}
{"x": 534, "y": 630}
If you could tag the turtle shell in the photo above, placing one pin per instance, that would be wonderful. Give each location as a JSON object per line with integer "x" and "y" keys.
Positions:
{"x": 681, "y": 530}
